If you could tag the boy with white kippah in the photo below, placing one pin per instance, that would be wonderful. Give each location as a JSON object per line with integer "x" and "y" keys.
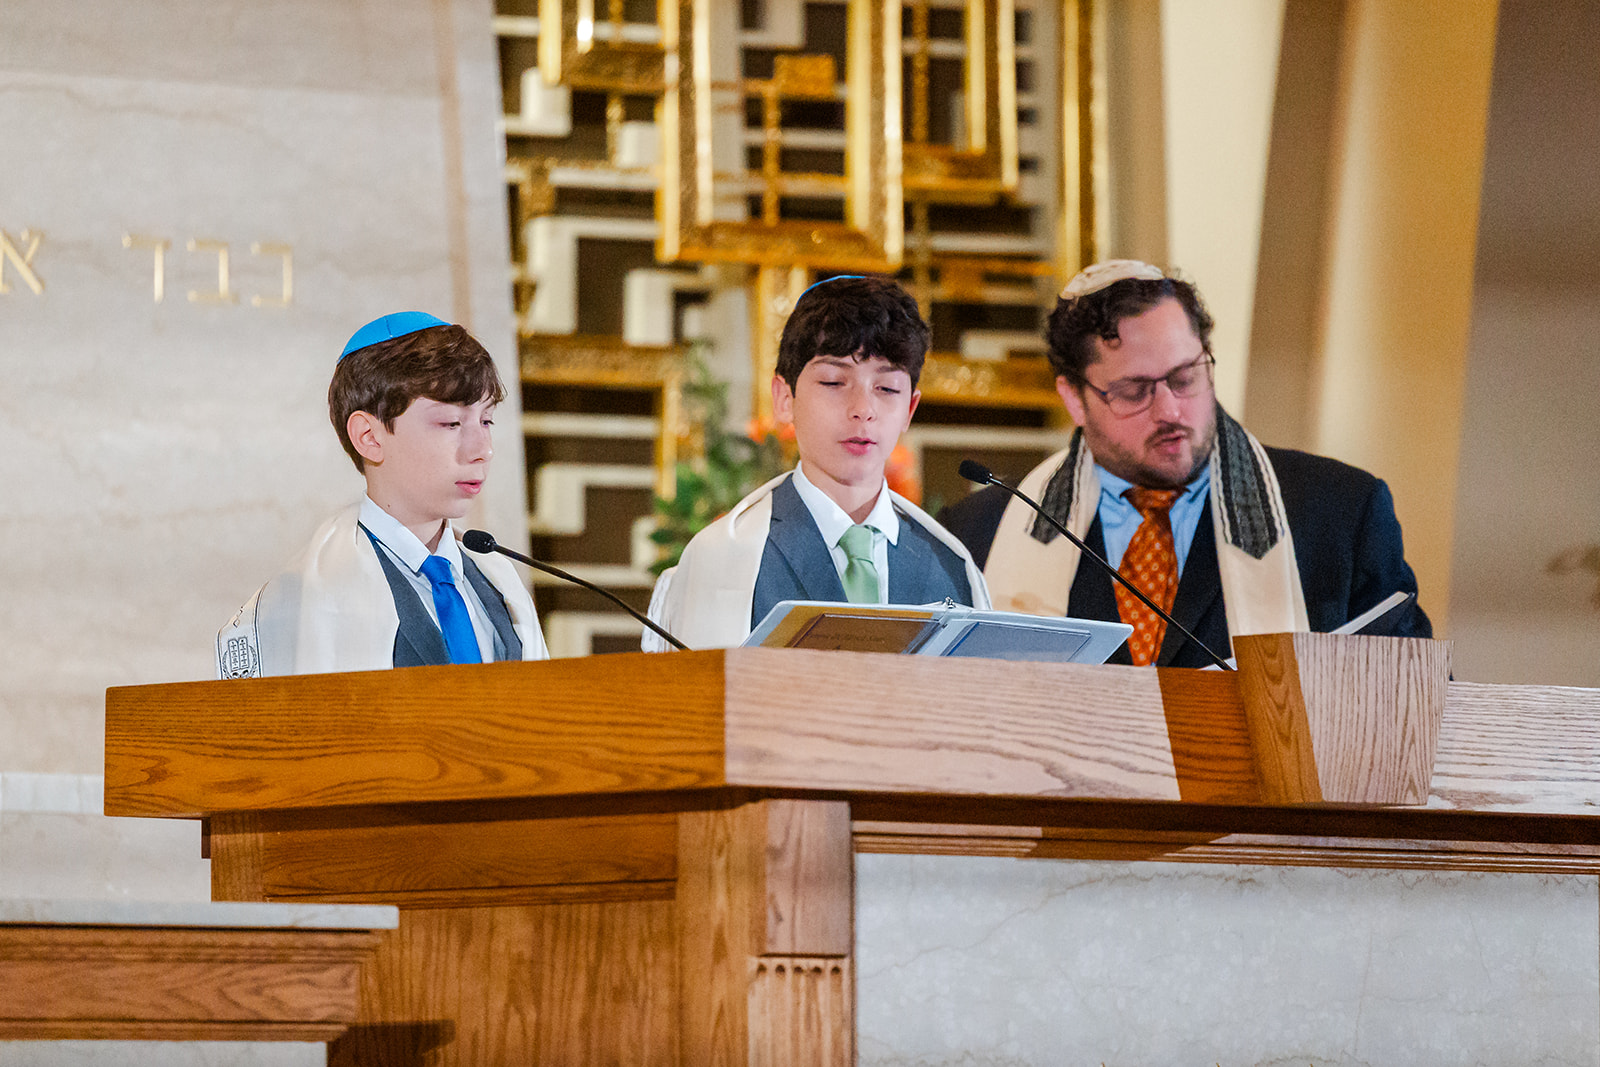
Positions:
{"x": 384, "y": 583}
{"x": 831, "y": 529}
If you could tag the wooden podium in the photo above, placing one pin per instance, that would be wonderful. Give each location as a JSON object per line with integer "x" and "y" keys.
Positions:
{"x": 647, "y": 859}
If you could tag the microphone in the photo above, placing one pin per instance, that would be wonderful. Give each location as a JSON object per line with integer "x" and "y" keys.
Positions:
{"x": 482, "y": 542}
{"x": 973, "y": 471}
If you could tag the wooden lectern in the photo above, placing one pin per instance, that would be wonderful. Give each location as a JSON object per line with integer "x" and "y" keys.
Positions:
{"x": 647, "y": 859}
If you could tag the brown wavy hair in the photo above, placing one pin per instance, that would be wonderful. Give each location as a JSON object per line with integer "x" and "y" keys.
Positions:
{"x": 443, "y": 363}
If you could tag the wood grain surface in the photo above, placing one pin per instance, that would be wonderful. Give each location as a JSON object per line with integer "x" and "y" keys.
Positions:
{"x": 1275, "y": 716}
{"x": 558, "y": 727}
{"x": 761, "y": 888}
{"x": 1519, "y": 748}
{"x": 797, "y": 1010}
{"x": 1374, "y": 705}
{"x": 807, "y": 879}
{"x": 1032, "y": 842}
{"x": 178, "y": 983}
{"x": 397, "y": 862}
{"x": 1210, "y": 739}
{"x": 846, "y": 725}
{"x": 900, "y": 723}
{"x": 512, "y": 986}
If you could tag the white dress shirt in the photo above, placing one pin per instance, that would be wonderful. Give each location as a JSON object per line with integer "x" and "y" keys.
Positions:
{"x": 409, "y": 553}
{"x": 833, "y": 521}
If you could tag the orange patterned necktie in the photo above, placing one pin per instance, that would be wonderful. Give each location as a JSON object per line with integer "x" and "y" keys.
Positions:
{"x": 1151, "y": 564}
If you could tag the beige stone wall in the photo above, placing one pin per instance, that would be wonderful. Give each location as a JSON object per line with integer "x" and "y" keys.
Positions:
{"x": 161, "y": 458}
{"x": 1529, "y": 485}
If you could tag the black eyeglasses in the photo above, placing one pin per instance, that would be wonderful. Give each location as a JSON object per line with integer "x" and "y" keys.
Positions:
{"x": 1129, "y": 396}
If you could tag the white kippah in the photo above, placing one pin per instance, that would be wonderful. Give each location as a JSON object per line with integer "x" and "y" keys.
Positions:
{"x": 1097, "y": 276}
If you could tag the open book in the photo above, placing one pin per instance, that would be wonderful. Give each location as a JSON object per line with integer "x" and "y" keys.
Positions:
{"x": 946, "y": 629}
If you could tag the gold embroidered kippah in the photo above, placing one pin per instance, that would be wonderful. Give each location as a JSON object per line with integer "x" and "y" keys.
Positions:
{"x": 1097, "y": 276}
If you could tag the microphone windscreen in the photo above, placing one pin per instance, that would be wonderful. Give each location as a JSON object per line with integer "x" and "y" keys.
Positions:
{"x": 973, "y": 471}
{"x": 478, "y": 541}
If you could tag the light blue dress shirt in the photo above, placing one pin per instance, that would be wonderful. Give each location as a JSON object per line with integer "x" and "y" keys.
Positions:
{"x": 1119, "y": 519}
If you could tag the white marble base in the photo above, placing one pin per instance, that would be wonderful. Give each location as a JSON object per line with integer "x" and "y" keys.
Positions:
{"x": 54, "y": 842}
{"x": 227, "y": 913}
{"x": 162, "y": 1054}
{"x": 983, "y": 962}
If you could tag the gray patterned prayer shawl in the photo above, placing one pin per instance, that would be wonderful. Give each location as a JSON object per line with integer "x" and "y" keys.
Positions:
{"x": 1246, "y": 504}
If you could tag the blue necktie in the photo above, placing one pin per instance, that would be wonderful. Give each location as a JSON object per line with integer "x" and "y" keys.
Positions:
{"x": 454, "y": 622}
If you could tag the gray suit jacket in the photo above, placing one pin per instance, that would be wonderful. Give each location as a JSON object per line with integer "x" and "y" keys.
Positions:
{"x": 418, "y": 642}
{"x": 798, "y": 565}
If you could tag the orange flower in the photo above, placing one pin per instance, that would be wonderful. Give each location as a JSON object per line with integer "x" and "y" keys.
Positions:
{"x": 901, "y": 473}
{"x": 762, "y": 427}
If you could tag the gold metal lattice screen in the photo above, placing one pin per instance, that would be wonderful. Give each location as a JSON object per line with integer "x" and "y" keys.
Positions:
{"x": 678, "y": 171}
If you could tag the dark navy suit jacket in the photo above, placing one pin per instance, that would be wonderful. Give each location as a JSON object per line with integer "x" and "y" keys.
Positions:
{"x": 798, "y": 565}
{"x": 1346, "y": 542}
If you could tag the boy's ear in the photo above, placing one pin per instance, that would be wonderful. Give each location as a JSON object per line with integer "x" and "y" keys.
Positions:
{"x": 782, "y": 400}
{"x": 1071, "y": 397}
{"x": 363, "y": 429}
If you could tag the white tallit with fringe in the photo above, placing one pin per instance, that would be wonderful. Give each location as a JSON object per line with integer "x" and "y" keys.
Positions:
{"x": 706, "y": 600}
{"x": 332, "y": 610}
{"x": 1031, "y": 567}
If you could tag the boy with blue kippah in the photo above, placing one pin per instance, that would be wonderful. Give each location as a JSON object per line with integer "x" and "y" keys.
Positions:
{"x": 831, "y": 529}
{"x": 384, "y": 583}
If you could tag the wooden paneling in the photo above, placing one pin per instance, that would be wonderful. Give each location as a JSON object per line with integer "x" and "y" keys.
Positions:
{"x": 808, "y": 723}
{"x": 511, "y": 986}
{"x": 794, "y": 1005}
{"x": 807, "y": 879}
{"x": 397, "y": 857}
{"x": 1210, "y": 741}
{"x": 414, "y": 735}
{"x": 754, "y": 989}
{"x": 1032, "y": 842}
{"x": 899, "y": 723}
{"x": 1343, "y": 719}
{"x": 1519, "y": 748}
{"x": 178, "y": 983}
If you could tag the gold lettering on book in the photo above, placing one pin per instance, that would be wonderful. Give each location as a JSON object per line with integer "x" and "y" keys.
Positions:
{"x": 224, "y": 294}
{"x": 158, "y": 247}
{"x": 22, "y": 259}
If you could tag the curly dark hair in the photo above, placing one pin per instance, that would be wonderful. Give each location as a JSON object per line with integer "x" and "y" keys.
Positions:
{"x": 845, "y": 316}
{"x": 1076, "y": 322}
{"x": 443, "y": 363}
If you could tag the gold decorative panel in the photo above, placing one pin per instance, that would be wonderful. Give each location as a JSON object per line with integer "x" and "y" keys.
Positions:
{"x": 709, "y": 190}
{"x": 590, "y": 44}
{"x": 986, "y": 161}
{"x": 679, "y": 171}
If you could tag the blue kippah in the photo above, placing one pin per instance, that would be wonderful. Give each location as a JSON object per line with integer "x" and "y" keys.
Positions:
{"x": 389, "y": 327}
{"x": 825, "y": 281}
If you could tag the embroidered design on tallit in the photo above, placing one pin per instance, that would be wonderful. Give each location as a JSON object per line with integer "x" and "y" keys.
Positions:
{"x": 1248, "y": 512}
{"x": 239, "y": 645}
{"x": 1057, "y": 498}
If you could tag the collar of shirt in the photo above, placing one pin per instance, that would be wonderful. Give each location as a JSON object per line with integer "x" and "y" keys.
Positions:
{"x": 1119, "y": 519}
{"x": 405, "y": 545}
{"x": 833, "y": 521}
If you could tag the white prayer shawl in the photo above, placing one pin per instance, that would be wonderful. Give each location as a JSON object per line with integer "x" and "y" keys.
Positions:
{"x": 706, "y": 600}
{"x": 332, "y": 610}
{"x": 1260, "y": 594}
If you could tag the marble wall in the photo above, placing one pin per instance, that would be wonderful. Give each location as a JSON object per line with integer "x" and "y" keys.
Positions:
{"x": 164, "y": 443}
{"x": 1019, "y": 962}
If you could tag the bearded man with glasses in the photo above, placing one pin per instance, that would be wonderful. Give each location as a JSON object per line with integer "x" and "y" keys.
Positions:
{"x": 1227, "y": 535}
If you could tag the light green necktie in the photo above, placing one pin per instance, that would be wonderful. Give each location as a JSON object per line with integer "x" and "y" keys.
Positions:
{"x": 860, "y": 573}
